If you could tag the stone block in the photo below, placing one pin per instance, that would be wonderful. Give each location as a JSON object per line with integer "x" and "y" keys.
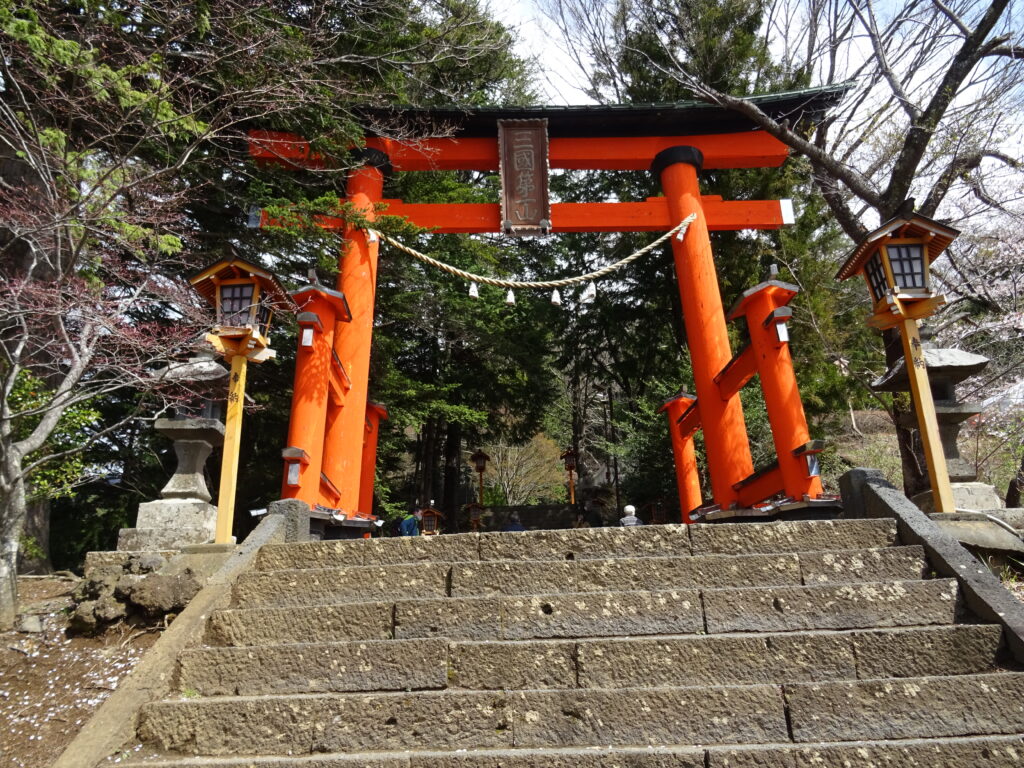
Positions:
{"x": 970, "y": 496}
{"x": 979, "y": 752}
{"x": 594, "y": 614}
{"x": 961, "y": 649}
{"x": 325, "y": 761}
{"x": 803, "y": 536}
{"x": 358, "y": 621}
{"x": 296, "y": 515}
{"x": 686, "y": 572}
{"x": 447, "y": 548}
{"x": 607, "y": 757}
{"x": 336, "y": 585}
{"x": 984, "y": 752}
{"x": 726, "y": 715}
{"x": 178, "y": 513}
{"x": 841, "y": 606}
{"x": 518, "y": 665}
{"x": 513, "y": 577}
{"x": 888, "y": 563}
{"x": 921, "y": 707}
{"x": 466, "y": 618}
{"x": 151, "y": 539}
{"x": 310, "y": 724}
{"x": 586, "y": 543}
{"x": 528, "y": 577}
{"x": 384, "y": 665}
{"x": 707, "y": 660}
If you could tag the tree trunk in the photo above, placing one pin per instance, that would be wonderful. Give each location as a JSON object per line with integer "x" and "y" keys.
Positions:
{"x": 1013, "y": 491}
{"x": 915, "y": 472}
{"x": 12, "y": 521}
{"x": 36, "y": 558}
{"x": 452, "y": 472}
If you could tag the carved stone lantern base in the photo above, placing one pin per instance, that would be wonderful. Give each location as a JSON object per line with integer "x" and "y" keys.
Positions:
{"x": 184, "y": 515}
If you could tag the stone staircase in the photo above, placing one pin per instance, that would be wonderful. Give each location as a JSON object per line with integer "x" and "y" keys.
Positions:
{"x": 787, "y": 645}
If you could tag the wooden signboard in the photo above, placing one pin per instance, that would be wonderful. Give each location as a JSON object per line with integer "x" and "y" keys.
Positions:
{"x": 523, "y": 152}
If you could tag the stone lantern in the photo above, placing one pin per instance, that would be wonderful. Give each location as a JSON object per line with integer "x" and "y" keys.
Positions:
{"x": 183, "y": 514}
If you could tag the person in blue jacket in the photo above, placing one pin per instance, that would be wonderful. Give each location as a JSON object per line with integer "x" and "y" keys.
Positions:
{"x": 410, "y": 526}
{"x": 514, "y": 523}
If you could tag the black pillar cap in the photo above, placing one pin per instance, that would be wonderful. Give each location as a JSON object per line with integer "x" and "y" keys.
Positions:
{"x": 672, "y": 155}
{"x": 375, "y": 158}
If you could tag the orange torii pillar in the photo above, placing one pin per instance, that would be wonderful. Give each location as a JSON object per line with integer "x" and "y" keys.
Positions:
{"x": 765, "y": 309}
{"x": 682, "y": 429}
{"x": 725, "y": 433}
{"x": 343, "y": 450}
{"x": 375, "y": 412}
{"x": 321, "y": 311}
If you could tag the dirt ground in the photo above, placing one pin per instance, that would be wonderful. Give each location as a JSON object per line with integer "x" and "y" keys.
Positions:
{"x": 51, "y": 684}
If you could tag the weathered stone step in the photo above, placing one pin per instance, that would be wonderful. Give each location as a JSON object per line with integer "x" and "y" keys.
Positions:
{"x": 315, "y": 586}
{"x": 666, "y": 661}
{"x": 307, "y": 724}
{"x": 831, "y": 606}
{"x": 510, "y": 577}
{"x": 964, "y": 752}
{"x": 319, "y": 586}
{"x": 586, "y": 543}
{"x": 921, "y": 707}
{"x": 601, "y": 614}
{"x": 936, "y": 707}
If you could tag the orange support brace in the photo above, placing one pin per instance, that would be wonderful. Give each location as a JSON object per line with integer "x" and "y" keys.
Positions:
{"x": 687, "y": 478}
{"x": 759, "y": 486}
{"x": 374, "y": 414}
{"x": 728, "y": 450}
{"x": 343, "y": 450}
{"x": 320, "y": 311}
{"x": 764, "y": 307}
{"x": 651, "y": 215}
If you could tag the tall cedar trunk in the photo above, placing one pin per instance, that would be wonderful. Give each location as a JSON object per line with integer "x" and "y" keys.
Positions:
{"x": 452, "y": 472}
{"x": 428, "y": 463}
{"x": 1016, "y": 487}
{"x": 13, "y": 520}
{"x": 915, "y": 472}
{"x": 37, "y": 528}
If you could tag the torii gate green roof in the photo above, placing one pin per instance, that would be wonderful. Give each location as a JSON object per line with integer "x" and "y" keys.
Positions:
{"x": 594, "y": 120}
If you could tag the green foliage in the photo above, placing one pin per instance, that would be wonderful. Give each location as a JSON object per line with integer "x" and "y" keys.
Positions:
{"x": 28, "y": 401}
{"x": 29, "y": 548}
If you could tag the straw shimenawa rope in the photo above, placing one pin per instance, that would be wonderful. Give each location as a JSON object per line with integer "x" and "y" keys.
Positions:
{"x": 681, "y": 228}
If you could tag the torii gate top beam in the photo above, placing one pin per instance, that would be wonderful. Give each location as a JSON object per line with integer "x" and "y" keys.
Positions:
{"x": 591, "y": 137}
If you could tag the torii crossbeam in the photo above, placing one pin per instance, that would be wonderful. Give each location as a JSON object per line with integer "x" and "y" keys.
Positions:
{"x": 332, "y": 437}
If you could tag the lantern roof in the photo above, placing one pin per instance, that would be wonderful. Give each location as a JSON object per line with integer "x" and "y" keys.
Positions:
{"x": 912, "y": 225}
{"x": 232, "y": 267}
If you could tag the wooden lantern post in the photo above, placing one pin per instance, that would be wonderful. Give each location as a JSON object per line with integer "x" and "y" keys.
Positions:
{"x": 894, "y": 261}
{"x": 480, "y": 460}
{"x": 569, "y": 457}
{"x": 244, "y": 297}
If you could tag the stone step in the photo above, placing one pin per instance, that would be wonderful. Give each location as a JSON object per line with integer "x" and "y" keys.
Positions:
{"x": 963, "y": 752}
{"x": 831, "y": 606}
{"x": 934, "y": 707}
{"x": 314, "y": 586}
{"x": 450, "y": 720}
{"x": 319, "y": 586}
{"x": 601, "y": 614}
{"x": 664, "y": 661}
{"x": 921, "y": 707}
{"x": 586, "y": 543}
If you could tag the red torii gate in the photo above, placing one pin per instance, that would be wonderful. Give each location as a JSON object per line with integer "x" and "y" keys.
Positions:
{"x": 332, "y": 438}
